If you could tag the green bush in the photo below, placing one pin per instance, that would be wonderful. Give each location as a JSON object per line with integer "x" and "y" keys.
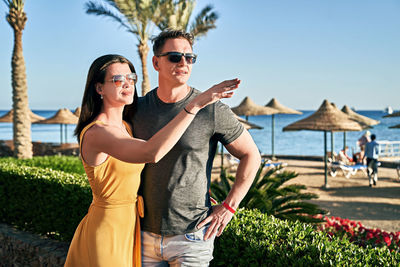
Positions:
{"x": 42, "y": 201}
{"x": 70, "y": 164}
{"x": 255, "y": 239}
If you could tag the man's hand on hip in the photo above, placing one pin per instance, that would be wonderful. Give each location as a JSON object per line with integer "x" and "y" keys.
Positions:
{"x": 218, "y": 219}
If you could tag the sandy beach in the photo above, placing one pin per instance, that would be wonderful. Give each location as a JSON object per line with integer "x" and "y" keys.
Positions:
{"x": 374, "y": 207}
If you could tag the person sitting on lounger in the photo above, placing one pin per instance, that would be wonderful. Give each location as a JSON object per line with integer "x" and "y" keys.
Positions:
{"x": 343, "y": 157}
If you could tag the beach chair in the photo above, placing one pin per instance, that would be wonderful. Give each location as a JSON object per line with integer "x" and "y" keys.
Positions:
{"x": 333, "y": 157}
{"x": 233, "y": 163}
{"x": 274, "y": 165}
{"x": 347, "y": 170}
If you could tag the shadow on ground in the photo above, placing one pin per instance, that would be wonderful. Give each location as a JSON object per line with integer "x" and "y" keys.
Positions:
{"x": 361, "y": 210}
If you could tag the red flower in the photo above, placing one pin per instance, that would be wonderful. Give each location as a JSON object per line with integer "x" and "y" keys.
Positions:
{"x": 387, "y": 240}
{"x": 369, "y": 235}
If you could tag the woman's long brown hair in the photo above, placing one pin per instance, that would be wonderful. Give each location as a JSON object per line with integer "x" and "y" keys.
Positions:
{"x": 91, "y": 102}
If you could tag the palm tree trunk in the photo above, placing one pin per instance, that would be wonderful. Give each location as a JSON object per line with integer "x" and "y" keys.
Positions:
{"x": 21, "y": 119}
{"x": 143, "y": 50}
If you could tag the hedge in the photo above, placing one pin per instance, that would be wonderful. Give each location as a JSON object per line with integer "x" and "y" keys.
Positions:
{"x": 255, "y": 239}
{"x": 70, "y": 164}
{"x": 51, "y": 202}
{"x": 43, "y": 201}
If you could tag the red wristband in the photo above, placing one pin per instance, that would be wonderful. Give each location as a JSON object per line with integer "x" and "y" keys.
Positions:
{"x": 228, "y": 207}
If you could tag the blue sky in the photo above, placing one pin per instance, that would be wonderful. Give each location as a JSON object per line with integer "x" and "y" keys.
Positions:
{"x": 300, "y": 52}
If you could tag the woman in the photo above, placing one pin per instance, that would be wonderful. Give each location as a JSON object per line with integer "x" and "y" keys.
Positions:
{"x": 109, "y": 235}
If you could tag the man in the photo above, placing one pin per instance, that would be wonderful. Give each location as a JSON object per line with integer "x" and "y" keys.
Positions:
{"x": 179, "y": 225}
{"x": 372, "y": 154}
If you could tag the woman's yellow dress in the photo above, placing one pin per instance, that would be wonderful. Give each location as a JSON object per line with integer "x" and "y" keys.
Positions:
{"x": 109, "y": 235}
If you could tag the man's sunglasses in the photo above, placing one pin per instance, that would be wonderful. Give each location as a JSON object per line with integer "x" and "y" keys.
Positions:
{"x": 176, "y": 57}
{"x": 119, "y": 80}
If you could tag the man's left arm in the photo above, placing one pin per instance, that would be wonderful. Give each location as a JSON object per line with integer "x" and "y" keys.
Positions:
{"x": 246, "y": 151}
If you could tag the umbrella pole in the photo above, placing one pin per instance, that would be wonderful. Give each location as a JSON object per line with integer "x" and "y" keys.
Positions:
{"x": 344, "y": 141}
{"x": 325, "y": 161}
{"x": 332, "y": 146}
{"x": 61, "y": 134}
{"x": 272, "y": 136}
{"x": 65, "y": 133}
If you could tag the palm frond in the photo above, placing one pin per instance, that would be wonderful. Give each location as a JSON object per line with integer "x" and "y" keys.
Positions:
{"x": 99, "y": 9}
{"x": 300, "y": 208}
{"x": 293, "y": 198}
{"x": 204, "y": 22}
{"x": 15, "y": 4}
{"x": 218, "y": 193}
{"x": 293, "y": 188}
{"x": 221, "y": 189}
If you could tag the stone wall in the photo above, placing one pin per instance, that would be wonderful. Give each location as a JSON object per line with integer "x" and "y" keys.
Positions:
{"x": 19, "y": 248}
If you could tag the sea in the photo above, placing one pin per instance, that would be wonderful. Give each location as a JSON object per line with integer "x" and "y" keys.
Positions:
{"x": 310, "y": 143}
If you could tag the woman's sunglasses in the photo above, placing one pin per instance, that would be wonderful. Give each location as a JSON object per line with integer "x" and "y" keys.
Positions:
{"x": 119, "y": 80}
{"x": 176, "y": 57}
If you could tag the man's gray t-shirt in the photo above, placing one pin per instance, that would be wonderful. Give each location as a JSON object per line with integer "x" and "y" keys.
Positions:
{"x": 176, "y": 189}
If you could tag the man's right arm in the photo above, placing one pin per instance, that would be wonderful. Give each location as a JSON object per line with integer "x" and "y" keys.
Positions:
{"x": 246, "y": 151}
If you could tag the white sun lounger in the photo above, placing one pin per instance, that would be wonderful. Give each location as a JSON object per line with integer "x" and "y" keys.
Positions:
{"x": 347, "y": 170}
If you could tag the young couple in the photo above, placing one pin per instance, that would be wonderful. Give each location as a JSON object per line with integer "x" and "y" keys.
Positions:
{"x": 168, "y": 152}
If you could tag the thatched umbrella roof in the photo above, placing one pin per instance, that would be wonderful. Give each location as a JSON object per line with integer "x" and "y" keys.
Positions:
{"x": 248, "y": 125}
{"x": 248, "y": 108}
{"x": 63, "y": 116}
{"x": 273, "y": 103}
{"x": 326, "y": 118}
{"x": 396, "y": 114}
{"x": 77, "y": 112}
{"x": 395, "y": 126}
{"x": 8, "y": 117}
{"x": 359, "y": 118}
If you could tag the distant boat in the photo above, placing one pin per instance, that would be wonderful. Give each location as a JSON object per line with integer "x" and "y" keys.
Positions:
{"x": 389, "y": 110}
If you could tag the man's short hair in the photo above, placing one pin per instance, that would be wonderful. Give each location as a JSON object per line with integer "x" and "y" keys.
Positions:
{"x": 159, "y": 40}
{"x": 373, "y": 136}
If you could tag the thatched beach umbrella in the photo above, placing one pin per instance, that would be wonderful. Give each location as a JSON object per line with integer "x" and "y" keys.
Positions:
{"x": 8, "y": 117}
{"x": 363, "y": 120}
{"x": 273, "y": 103}
{"x": 248, "y": 125}
{"x": 77, "y": 112}
{"x": 248, "y": 108}
{"x": 63, "y": 117}
{"x": 326, "y": 118}
{"x": 396, "y": 114}
{"x": 358, "y": 117}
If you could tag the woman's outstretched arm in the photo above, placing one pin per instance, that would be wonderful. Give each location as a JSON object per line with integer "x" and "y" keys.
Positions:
{"x": 114, "y": 142}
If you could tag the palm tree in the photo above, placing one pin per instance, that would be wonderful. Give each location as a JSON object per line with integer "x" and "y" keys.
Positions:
{"x": 21, "y": 121}
{"x": 268, "y": 195}
{"x": 138, "y": 17}
{"x": 176, "y": 14}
